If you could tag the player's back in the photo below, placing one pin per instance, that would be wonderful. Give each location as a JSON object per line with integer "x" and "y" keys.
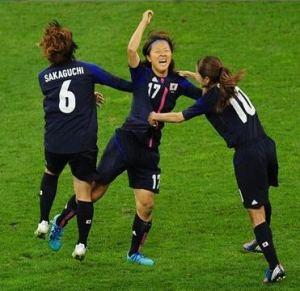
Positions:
{"x": 238, "y": 123}
{"x": 69, "y": 105}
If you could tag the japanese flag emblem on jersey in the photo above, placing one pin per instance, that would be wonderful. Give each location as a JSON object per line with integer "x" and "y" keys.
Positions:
{"x": 173, "y": 87}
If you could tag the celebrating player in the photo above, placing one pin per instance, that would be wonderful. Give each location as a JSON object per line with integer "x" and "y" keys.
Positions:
{"x": 232, "y": 114}
{"x": 71, "y": 126}
{"x": 134, "y": 146}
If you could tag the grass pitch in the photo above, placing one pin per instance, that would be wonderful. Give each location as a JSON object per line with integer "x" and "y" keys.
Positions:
{"x": 199, "y": 223}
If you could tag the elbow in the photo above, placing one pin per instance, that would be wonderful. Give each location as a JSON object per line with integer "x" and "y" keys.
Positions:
{"x": 131, "y": 50}
{"x": 180, "y": 118}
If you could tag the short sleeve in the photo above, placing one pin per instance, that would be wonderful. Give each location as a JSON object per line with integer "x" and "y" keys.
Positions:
{"x": 190, "y": 90}
{"x": 203, "y": 105}
{"x": 138, "y": 73}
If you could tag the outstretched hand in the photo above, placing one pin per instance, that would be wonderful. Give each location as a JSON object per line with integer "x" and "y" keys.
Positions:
{"x": 187, "y": 74}
{"x": 147, "y": 16}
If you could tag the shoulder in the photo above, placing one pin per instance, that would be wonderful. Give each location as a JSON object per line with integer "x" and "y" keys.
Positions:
{"x": 212, "y": 95}
{"x": 87, "y": 65}
{"x": 182, "y": 81}
{"x": 43, "y": 75}
{"x": 140, "y": 73}
{"x": 174, "y": 76}
{"x": 43, "y": 72}
{"x": 140, "y": 67}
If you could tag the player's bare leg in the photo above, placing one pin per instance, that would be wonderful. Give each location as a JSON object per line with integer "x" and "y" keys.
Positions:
{"x": 98, "y": 191}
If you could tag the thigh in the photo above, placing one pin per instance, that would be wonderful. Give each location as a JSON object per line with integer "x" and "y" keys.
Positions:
{"x": 251, "y": 172}
{"x": 112, "y": 163}
{"x": 83, "y": 165}
{"x": 55, "y": 163}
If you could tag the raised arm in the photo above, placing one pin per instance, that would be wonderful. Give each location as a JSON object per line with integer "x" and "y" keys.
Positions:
{"x": 134, "y": 43}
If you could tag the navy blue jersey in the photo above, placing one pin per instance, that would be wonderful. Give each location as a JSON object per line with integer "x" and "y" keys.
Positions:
{"x": 153, "y": 93}
{"x": 238, "y": 123}
{"x": 70, "y": 107}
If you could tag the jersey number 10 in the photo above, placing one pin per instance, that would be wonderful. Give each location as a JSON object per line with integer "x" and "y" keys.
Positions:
{"x": 248, "y": 107}
{"x": 67, "y": 101}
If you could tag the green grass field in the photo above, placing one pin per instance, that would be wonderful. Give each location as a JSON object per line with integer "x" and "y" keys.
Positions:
{"x": 199, "y": 223}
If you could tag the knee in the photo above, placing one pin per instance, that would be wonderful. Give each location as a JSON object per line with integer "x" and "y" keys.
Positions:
{"x": 257, "y": 216}
{"x": 146, "y": 207}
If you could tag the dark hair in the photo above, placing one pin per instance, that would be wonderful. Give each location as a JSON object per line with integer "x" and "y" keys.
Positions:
{"x": 57, "y": 43}
{"x": 213, "y": 68}
{"x": 152, "y": 37}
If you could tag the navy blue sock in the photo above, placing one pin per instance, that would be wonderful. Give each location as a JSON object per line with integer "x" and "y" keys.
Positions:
{"x": 47, "y": 195}
{"x": 140, "y": 230}
{"x": 264, "y": 238}
{"x": 85, "y": 212}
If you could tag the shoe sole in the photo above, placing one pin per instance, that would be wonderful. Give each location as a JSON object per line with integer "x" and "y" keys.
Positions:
{"x": 136, "y": 263}
{"x": 276, "y": 280}
{"x": 252, "y": 251}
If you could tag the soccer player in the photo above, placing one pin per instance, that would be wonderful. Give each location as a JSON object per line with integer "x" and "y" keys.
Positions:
{"x": 134, "y": 146}
{"x": 70, "y": 126}
{"x": 232, "y": 114}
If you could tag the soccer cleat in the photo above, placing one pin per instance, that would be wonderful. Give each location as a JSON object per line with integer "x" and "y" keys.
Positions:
{"x": 252, "y": 247}
{"x": 55, "y": 235}
{"x": 275, "y": 275}
{"x": 42, "y": 229}
{"x": 79, "y": 252}
{"x": 140, "y": 259}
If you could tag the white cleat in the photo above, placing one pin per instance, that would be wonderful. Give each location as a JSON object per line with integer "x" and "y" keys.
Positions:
{"x": 275, "y": 275}
{"x": 79, "y": 252}
{"x": 42, "y": 229}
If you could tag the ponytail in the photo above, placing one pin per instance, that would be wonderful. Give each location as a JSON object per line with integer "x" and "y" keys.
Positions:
{"x": 213, "y": 68}
{"x": 227, "y": 83}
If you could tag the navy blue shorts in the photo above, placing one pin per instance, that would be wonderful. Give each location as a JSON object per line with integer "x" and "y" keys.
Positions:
{"x": 256, "y": 169}
{"x": 125, "y": 153}
{"x": 83, "y": 164}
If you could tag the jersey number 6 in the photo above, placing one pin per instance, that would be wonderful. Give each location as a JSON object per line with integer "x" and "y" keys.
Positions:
{"x": 67, "y": 101}
{"x": 248, "y": 107}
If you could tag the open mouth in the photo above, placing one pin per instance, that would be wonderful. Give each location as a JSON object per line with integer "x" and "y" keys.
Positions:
{"x": 162, "y": 62}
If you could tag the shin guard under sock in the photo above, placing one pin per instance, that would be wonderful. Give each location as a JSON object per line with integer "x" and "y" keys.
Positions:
{"x": 85, "y": 212}
{"x": 47, "y": 195}
{"x": 264, "y": 238}
{"x": 140, "y": 230}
